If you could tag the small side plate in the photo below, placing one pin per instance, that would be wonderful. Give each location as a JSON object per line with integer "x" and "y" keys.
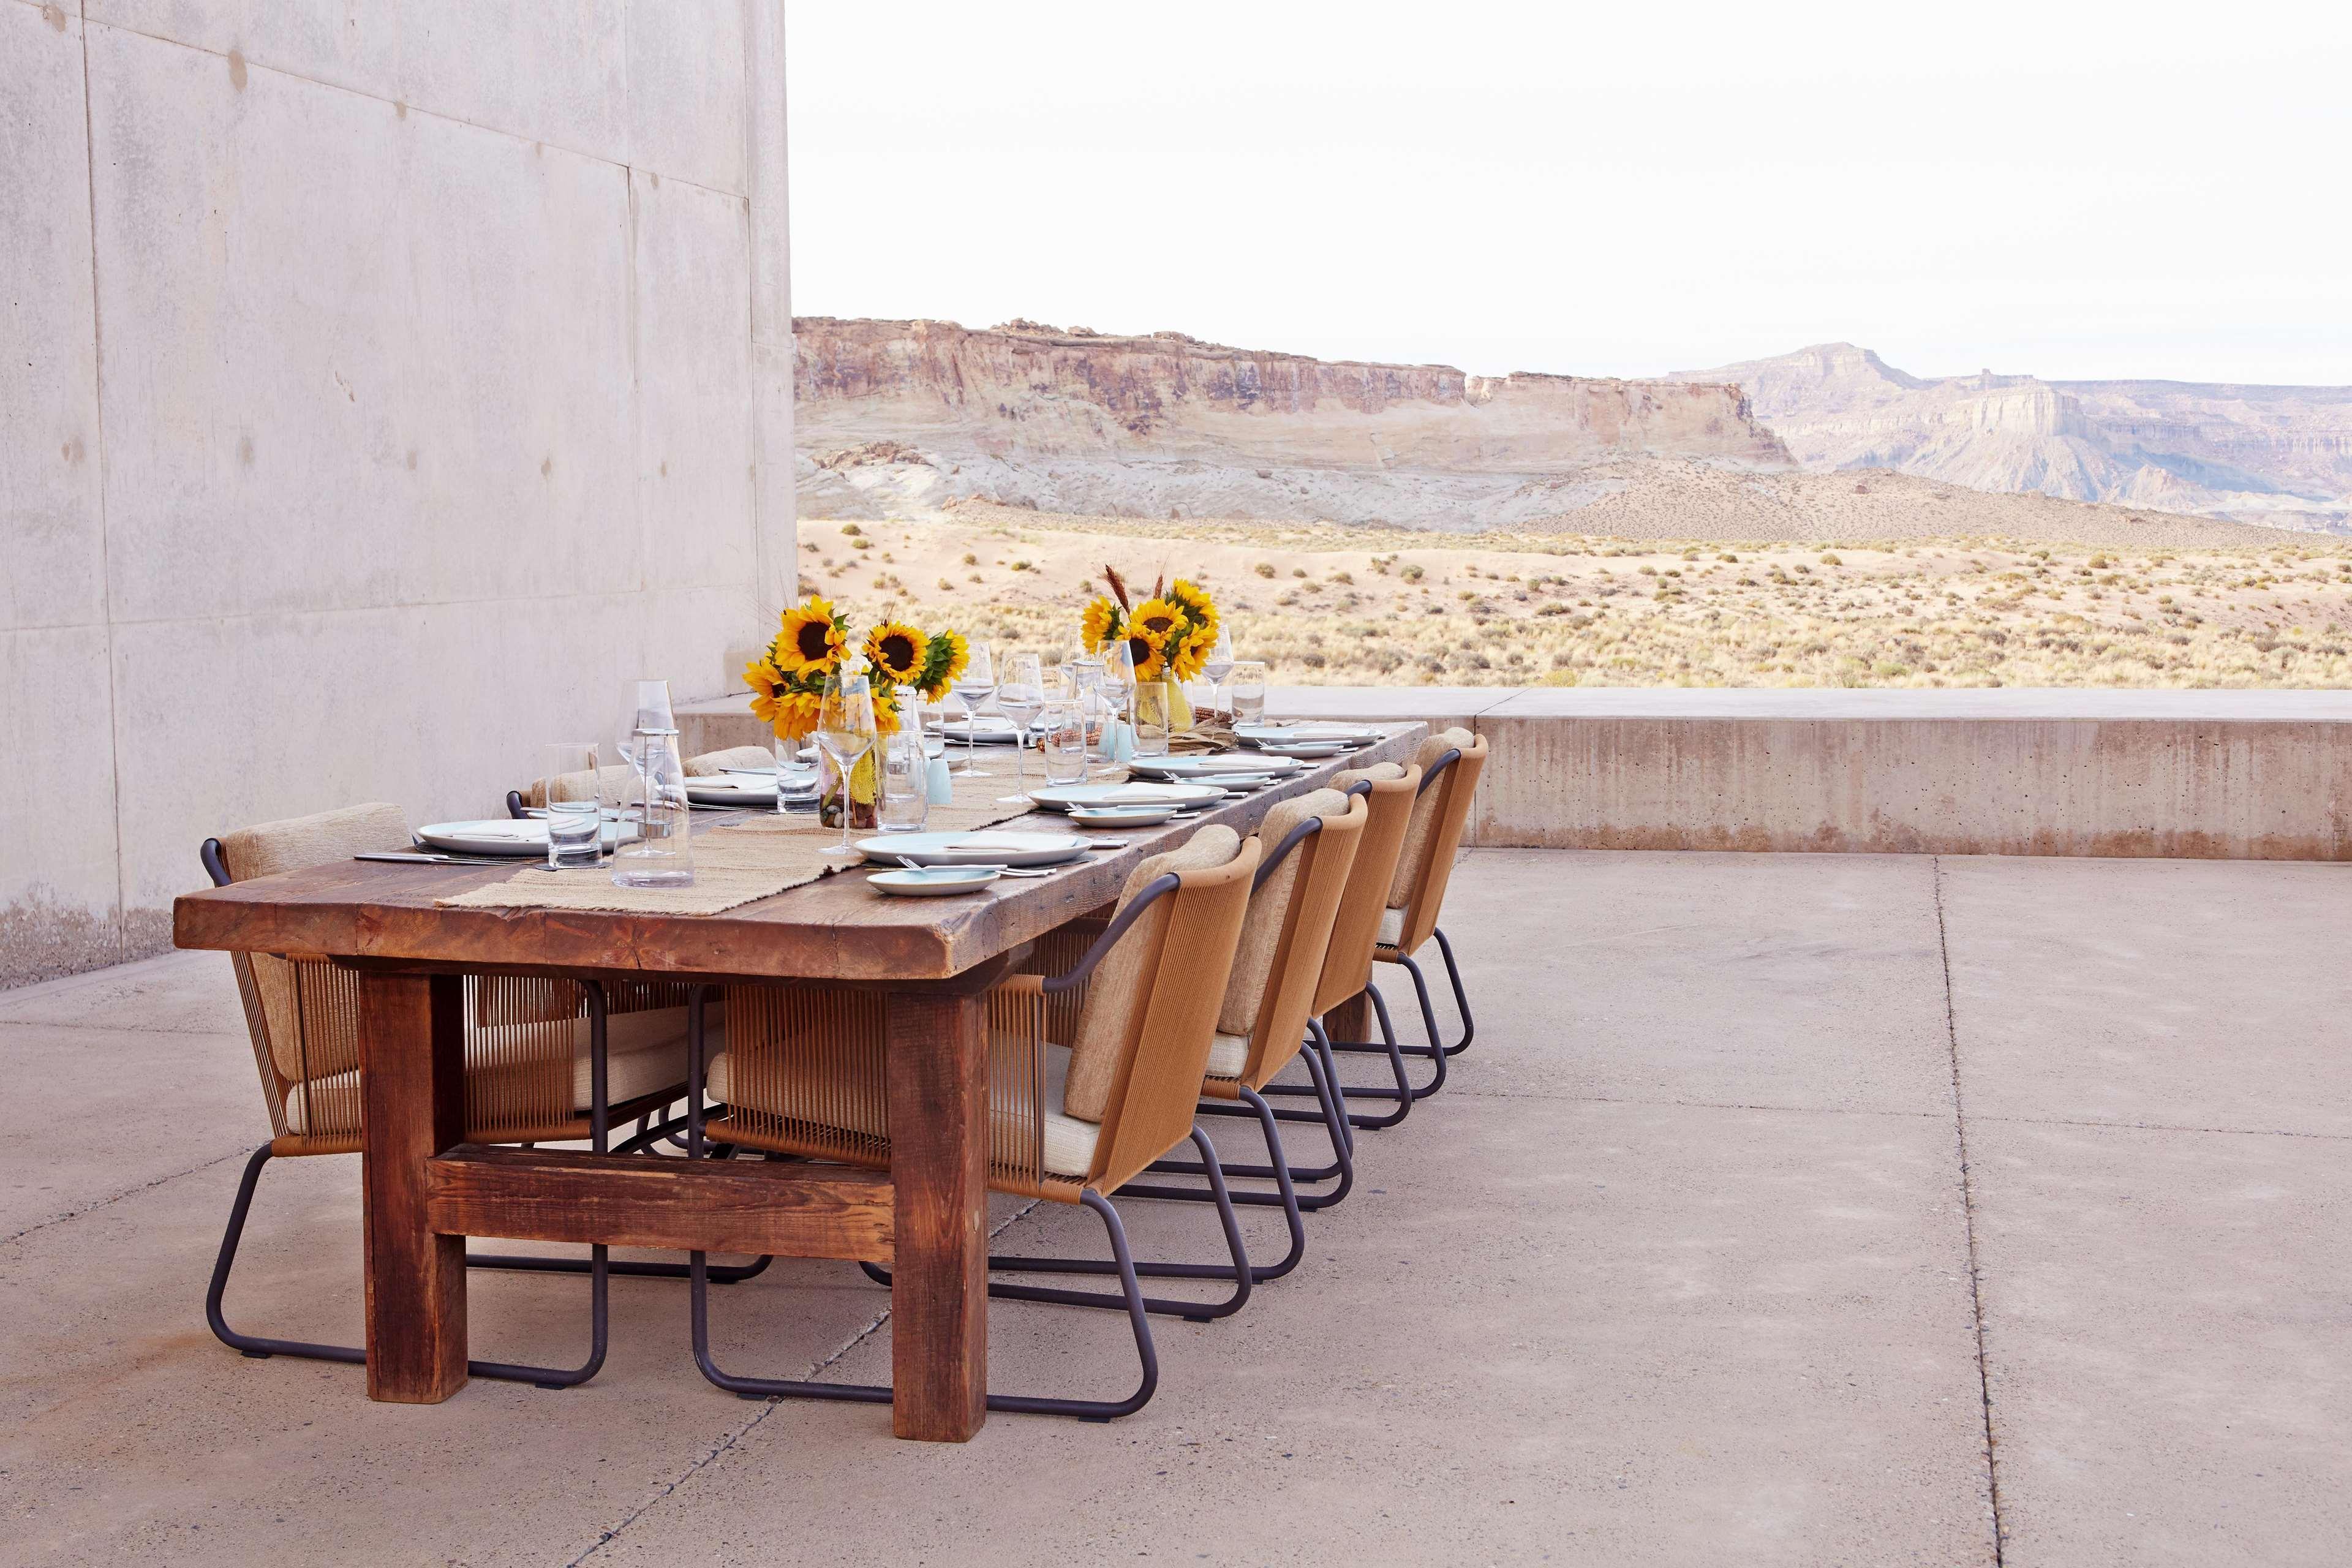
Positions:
{"x": 934, "y": 882}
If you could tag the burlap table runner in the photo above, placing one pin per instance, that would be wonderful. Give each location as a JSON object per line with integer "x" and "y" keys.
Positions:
{"x": 755, "y": 858}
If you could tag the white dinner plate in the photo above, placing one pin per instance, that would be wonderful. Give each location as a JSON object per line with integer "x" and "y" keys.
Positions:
{"x": 518, "y": 836}
{"x": 933, "y": 882}
{"x": 1121, "y": 815}
{"x": 1306, "y": 750}
{"x": 1219, "y": 765}
{"x": 1317, "y": 730}
{"x": 735, "y": 789}
{"x": 988, "y": 729}
{"x": 982, "y": 846}
{"x": 1179, "y": 796}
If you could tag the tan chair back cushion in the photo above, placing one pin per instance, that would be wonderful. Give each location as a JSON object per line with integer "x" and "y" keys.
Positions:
{"x": 1425, "y": 864}
{"x": 710, "y": 763}
{"x": 1119, "y": 987}
{"x": 612, "y": 783}
{"x": 309, "y": 1020}
{"x": 1422, "y": 831}
{"x": 1347, "y": 967}
{"x": 1327, "y": 860}
{"x": 1269, "y": 908}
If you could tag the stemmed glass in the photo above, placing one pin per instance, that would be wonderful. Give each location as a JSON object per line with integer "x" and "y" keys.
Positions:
{"x": 1219, "y": 663}
{"x": 972, "y": 688}
{"x": 845, "y": 733}
{"x": 1018, "y": 696}
{"x": 1118, "y": 691}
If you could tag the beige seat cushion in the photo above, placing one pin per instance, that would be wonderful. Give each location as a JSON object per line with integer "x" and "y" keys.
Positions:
{"x": 1380, "y": 771}
{"x": 1069, "y": 1140}
{"x": 1391, "y": 927}
{"x": 613, "y": 783}
{"x": 644, "y": 1053}
{"x": 710, "y": 762}
{"x": 1423, "y": 828}
{"x": 1120, "y": 984}
{"x": 1228, "y": 1056}
{"x": 1269, "y": 906}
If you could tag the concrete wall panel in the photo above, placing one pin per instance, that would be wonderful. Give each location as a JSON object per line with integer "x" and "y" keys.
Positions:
{"x": 360, "y": 492}
{"x": 554, "y": 72}
{"x": 695, "y": 453}
{"x": 691, "y": 53}
{"x": 50, "y": 533}
{"x": 58, "y": 894}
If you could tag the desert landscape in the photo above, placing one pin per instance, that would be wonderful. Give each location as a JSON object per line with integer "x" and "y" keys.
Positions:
{"x": 1414, "y": 524}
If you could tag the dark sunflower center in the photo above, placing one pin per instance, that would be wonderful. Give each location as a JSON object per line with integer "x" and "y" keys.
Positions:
{"x": 814, "y": 639}
{"x": 898, "y": 652}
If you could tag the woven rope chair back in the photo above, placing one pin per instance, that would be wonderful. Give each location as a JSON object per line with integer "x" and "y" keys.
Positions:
{"x": 1440, "y": 816}
{"x": 1300, "y": 910}
{"x": 1347, "y": 967}
{"x": 1158, "y": 1082}
{"x": 303, "y": 1014}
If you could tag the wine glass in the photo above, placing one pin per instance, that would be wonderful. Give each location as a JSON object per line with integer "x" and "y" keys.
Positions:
{"x": 1249, "y": 691}
{"x": 845, "y": 733}
{"x": 972, "y": 688}
{"x": 1019, "y": 695}
{"x": 1219, "y": 663}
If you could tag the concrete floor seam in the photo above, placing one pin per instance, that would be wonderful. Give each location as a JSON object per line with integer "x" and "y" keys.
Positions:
{"x": 1689, "y": 1104}
{"x": 1969, "y": 1213}
{"x": 770, "y": 1407}
{"x": 2165, "y": 1126}
{"x": 126, "y": 1193}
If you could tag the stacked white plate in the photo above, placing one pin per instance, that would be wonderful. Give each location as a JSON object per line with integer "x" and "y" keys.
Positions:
{"x": 1313, "y": 742}
{"x": 518, "y": 836}
{"x": 1126, "y": 797}
{"x": 1222, "y": 767}
{"x": 988, "y": 729}
{"x": 985, "y": 846}
{"x": 748, "y": 789}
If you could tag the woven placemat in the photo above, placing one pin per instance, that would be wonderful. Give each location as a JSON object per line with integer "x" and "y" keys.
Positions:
{"x": 741, "y": 862}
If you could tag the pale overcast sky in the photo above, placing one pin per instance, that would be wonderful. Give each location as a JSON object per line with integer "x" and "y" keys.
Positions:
{"x": 2071, "y": 189}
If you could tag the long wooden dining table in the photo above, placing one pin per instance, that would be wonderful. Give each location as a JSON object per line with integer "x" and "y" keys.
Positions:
{"x": 425, "y": 1189}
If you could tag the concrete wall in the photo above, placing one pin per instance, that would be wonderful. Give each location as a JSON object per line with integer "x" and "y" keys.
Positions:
{"x": 2203, "y": 774}
{"x": 383, "y": 386}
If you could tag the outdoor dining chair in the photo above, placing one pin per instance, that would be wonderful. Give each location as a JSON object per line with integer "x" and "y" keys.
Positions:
{"x": 1450, "y": 763}
{"x": 1312, "y": 842}
{"x": 1071, "y": 1120}
{"x": 546, "y": 1061}
{"x": 1389, "y": 790}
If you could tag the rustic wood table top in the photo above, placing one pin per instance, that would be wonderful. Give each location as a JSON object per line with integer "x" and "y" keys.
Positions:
{"x": 836, "y": 929}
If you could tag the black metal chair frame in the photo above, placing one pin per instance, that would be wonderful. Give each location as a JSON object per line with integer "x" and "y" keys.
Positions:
{"x": 598, "y": 1266}
{"x": 1129, "y": 1299}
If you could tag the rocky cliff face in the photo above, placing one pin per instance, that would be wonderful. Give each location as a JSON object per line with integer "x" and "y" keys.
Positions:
{"x": 2280, "y": 454}
{"x": 918, "y": 412}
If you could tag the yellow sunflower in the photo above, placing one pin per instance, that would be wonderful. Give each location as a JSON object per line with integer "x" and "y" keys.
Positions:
{"x": 1099, "y": 624}
{"x": 787, "y": 710}
{"x": 1146, "y": 649}
{"x": 1190, "y": 598}
{"x": 946, "y": 657}
{"x": 1156, "y": 618}
{"x": 895, "y": 650}
{"x": 811, "y": 639}
{"x": 1190, "y": 651}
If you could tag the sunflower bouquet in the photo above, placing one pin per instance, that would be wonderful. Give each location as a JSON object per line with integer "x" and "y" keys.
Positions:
{"x": 787, "y": 682}
{"x": 1169, "y": 635}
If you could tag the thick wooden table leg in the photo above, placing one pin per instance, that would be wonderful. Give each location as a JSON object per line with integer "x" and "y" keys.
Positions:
{"x": 938, "y": 1164}
{"x": 413, "y": 1086}
{"x": 1351, "y": 1019}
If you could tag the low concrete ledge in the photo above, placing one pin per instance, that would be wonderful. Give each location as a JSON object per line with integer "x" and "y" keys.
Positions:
{"x": 2259, "y": 776}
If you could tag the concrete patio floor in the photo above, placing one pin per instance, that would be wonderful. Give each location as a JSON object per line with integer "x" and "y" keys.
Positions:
{"x": 1773, "y": 1187}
